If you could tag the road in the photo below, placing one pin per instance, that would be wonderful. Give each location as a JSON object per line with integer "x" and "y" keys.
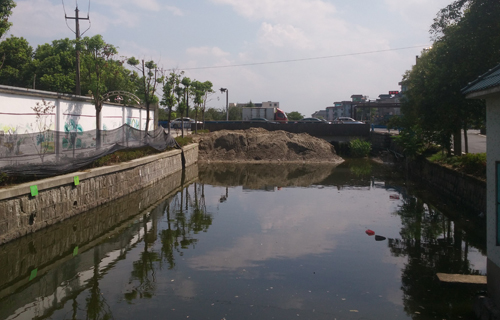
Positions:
{"x": 477, "y": 142}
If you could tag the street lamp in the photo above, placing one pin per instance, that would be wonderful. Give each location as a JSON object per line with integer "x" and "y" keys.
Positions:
{"x": 222, "y": 90}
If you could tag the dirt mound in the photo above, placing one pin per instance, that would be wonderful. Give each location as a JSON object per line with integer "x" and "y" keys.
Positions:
{"x": 257, "y": 145}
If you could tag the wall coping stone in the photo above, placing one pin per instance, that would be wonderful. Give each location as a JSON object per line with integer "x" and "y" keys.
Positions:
{"x": 52, "y": 182}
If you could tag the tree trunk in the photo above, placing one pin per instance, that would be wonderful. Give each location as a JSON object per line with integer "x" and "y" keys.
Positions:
{"x": 466, "y": 140}
{"x": 98, "y": 127}
{"x": 457, "y": 142}
{"x": 196, "y": 119}
{"x": 169, "y": 118}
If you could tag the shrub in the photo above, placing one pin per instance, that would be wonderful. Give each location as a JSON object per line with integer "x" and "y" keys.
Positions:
{"x": 360, "y": 148}
{"x": 470, "y": 163}
{"x": 184, "y": 141}
{"x": 123, "y": 156}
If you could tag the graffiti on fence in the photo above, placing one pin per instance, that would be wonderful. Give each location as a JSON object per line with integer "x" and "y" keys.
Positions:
{"x": 72, "y": 135}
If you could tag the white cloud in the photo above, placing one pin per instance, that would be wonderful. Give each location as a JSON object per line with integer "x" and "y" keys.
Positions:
{"x": 292, "y": 11}
{"x": 283, "y": 35}
{"x": 151, "y": 5}
{"x": 39, "y": 18}
{"x": 285, "y": 234}
{"x": 418, "y": 13}
{"x": 207, "y": 51}
{"x": 176, "y": 11}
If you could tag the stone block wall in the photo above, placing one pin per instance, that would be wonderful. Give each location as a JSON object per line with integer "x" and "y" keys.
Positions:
{"x": 59, "y": 199}
{"x": 464, "y": 189}
{"x": 46, "y": 247}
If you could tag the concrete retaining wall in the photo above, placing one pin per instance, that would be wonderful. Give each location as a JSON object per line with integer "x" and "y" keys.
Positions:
{"x": 50, "y": 247}
{"x": 464, "y": 189}
{"x": 59, "y": 198}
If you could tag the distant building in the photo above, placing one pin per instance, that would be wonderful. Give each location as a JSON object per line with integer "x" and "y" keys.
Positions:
{"x": 268, "y": 104}
{"x": 320, "y": 114}
{"x": 339, "y": 109}
{"x": 359, "y": 98}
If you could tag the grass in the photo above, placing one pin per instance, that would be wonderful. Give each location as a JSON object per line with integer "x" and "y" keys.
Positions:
{"x": 122, "y": 156}
{"x": 184, "y": 141}
{"x": 470, "y": 163}
{"x": 359, "y": 148}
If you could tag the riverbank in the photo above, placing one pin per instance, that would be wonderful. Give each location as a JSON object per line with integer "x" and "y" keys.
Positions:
{"x": 31, "y": 206}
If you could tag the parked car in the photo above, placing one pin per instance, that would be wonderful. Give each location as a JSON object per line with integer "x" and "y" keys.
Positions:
{"x": 261, "y": 120}
{"x": 182, "y": 122}
{"x": 346, "y": 120}
{"x": 313, "y": 120}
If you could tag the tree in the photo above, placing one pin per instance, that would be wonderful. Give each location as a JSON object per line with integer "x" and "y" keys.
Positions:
{"x": 55, "y": 66}
{"x": 169, "y": 98}
{"x": 151, "y": 77}
{"x": 201, "y": 90}
{"x": 181, "y": 102}
{"x": 97, "y": 55}
{"x": 6, "y": 7}
{"x": 235, "y": 112}
{"x": 186, "y": 82}
{"x": 18, "y": 65}
{"x": 294, "y": 115}
{"x": 467, "y": 43}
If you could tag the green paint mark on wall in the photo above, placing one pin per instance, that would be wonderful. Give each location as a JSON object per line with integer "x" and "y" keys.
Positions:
{"x": 75, "y": 251}
{"x": 77, "y": 180}
{"x": 34, "y": 190}
{"x": 33, "y": 274}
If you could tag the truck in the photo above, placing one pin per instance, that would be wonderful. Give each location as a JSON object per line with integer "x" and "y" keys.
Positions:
{"x": 272, "y": 114}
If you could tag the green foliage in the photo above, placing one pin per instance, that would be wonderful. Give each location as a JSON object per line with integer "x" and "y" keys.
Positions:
{"x": 215, "y": 114}
{"x": 235, "y": 113}
{"x": 170, "y": 87}
{"x": 184, "y": 141}
{"x": 123, "y": 156}
{"x": 412, "y": 140}
{"x": 467, "y": 42}
{"x": 474, "y": 164}
{"x": 359, "y": 148}
{"x": 97, "y": 57}
{"x": 55, "y": 66}
{"x": 147, "y": 85}
{"x": 3, "y": 178}
{"x": 18, "y": 67}
{"x": 6, "y": 7}
{"x": 294, "y": 115}
{"x": 360, "y": 167}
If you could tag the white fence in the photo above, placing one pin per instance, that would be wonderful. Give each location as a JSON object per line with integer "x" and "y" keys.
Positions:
{"x": 71, "y": 113}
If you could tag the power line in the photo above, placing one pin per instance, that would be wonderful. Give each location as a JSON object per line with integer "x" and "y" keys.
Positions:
{"x": 303, "y": 59}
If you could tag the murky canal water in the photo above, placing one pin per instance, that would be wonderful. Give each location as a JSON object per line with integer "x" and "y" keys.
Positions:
{"x": 255, "y": 242}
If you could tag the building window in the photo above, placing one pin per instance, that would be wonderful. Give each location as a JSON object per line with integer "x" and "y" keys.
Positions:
{"x": 498, "y": 201}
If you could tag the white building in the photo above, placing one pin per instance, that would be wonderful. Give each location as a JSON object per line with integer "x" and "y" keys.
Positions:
{"x": 487, "y": 87}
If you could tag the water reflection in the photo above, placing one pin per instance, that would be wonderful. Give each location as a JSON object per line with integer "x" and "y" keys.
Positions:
{"x": 432, "y": 243}
{"x": 255, "y": 242}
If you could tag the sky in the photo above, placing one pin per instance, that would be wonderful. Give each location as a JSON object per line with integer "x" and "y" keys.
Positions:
{"x": 304, "y": 54}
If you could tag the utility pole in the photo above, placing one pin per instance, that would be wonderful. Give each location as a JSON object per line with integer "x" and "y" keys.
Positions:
{"x": 222, "y": 90}
{"x": 77, "y": 19}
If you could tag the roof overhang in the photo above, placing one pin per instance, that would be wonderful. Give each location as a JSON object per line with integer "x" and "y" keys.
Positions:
{"x": 483, "y": 94}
